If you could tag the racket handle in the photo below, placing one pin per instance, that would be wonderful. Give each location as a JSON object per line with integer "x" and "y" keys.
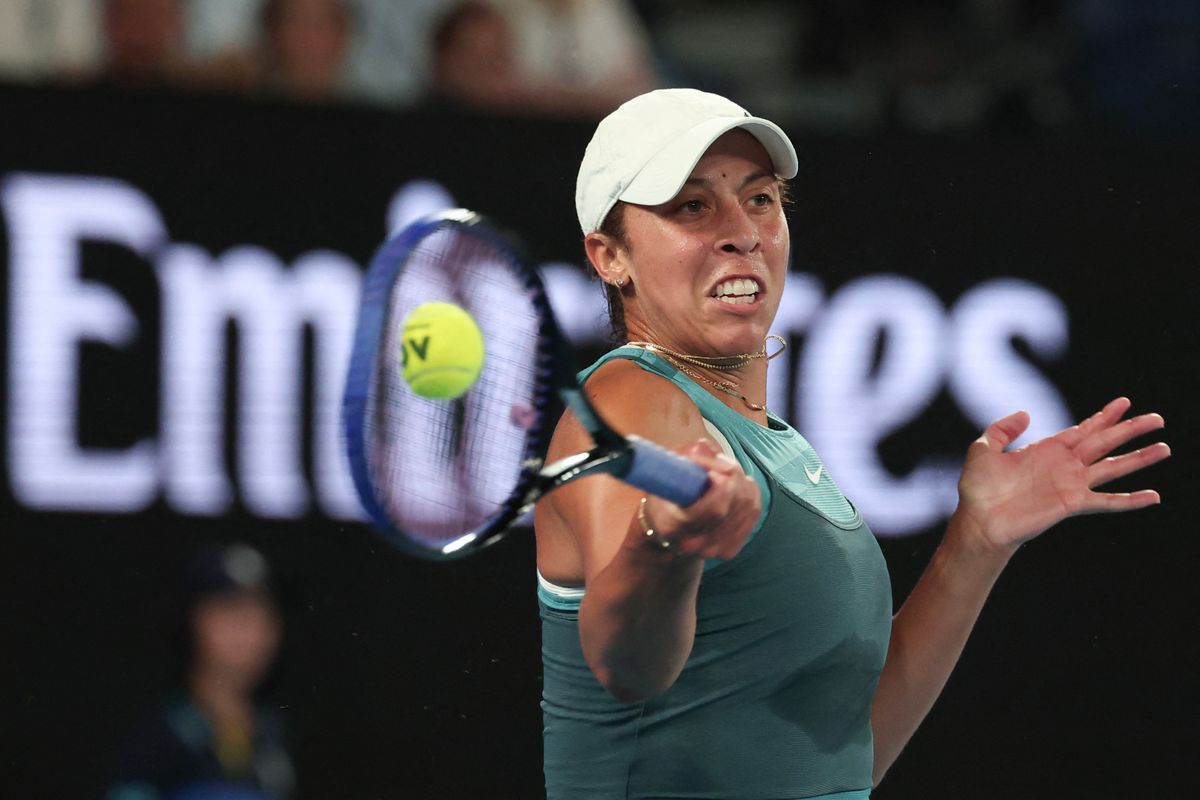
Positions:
{"x": 666, "y": 474}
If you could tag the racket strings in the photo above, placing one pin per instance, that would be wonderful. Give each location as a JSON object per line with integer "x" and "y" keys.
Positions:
{"x": 447, "y": 467}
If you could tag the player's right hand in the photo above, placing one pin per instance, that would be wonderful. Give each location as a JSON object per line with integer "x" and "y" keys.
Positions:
{"x": 720, "y": 522}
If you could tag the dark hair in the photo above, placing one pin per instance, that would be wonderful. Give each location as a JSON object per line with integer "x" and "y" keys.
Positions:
{"x": 614, "y": 228}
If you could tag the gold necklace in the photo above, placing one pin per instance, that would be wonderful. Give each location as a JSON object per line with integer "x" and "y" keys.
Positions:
{"x": 681, "y": 360}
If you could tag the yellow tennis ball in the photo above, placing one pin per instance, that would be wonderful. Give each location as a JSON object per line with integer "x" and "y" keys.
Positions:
{"x": 441, "y": 350}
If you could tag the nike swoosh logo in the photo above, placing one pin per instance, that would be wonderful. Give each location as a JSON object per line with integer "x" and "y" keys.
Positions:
{"x": 815, "y": 477}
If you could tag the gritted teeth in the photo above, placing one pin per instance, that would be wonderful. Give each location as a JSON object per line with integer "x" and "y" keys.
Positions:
{"x": 737, "y": 288}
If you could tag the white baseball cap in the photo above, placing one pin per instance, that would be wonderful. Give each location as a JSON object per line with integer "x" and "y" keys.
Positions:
{"x": 644, "y": 151}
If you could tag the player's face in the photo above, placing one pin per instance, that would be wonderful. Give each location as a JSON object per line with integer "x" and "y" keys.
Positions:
{"x": 708, "y": 266}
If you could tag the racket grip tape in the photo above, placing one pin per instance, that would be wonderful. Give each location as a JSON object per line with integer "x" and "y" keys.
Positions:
{"x": 665, "y": 474}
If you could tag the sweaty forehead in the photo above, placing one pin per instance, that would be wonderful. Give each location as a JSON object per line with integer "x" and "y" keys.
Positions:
{"x": 743, "y": 161}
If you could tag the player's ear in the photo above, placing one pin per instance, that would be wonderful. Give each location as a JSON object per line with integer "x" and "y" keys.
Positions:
{"x": 606, "y": 256}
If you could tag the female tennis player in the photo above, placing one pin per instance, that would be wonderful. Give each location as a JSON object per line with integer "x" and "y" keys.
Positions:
{"x": 745, "y": 646}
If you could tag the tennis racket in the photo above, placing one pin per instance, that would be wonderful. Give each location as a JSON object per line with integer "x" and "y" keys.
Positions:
{"x": 444, "y": 478}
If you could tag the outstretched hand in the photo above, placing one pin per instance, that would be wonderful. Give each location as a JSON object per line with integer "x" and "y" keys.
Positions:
{"x": 1011, "y": 497}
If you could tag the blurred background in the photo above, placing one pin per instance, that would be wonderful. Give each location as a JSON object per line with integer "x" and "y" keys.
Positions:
{"x": 930, "y": 66}
{"x": 998, "y": 207}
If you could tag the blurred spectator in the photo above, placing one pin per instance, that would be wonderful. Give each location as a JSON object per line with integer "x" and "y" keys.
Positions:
{"x": 597, "y": 48}
{"x": 143, "y": 43}
{"x": 218, "y": 27}
{"x": 387, "y": 59}
{"x": 211, "y": 740}
{"x": 390, "y": 58}
{"x": 473, "y": 60}
{"x": 48, "y": 38}
{"x": 304, "y": 46}
{"x": 298, "y": 51}
{"x": 511, "y": 57}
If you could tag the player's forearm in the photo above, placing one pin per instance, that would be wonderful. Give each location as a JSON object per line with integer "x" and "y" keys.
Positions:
{"x": 638, "y": 618}
{"x": 928, "y": 636}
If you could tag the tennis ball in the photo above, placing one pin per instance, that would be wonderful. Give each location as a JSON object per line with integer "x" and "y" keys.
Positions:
{"x": 441, "y": 350}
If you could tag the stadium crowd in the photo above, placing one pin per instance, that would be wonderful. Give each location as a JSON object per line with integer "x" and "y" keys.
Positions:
{"x": 834, "y": 65}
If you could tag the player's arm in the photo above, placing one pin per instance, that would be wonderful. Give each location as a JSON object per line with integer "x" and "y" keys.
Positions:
{"x": 928, "y": 636}
{"x": 638, "y": 615}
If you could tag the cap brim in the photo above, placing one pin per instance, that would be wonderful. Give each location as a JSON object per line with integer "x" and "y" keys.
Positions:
{"x": 665, "y": 173}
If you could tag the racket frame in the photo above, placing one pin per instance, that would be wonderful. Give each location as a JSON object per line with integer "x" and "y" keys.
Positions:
{"x": 613, "y": 454}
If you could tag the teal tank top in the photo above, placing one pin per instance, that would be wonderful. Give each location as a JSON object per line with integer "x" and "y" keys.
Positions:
{"x": 774, "y": 702}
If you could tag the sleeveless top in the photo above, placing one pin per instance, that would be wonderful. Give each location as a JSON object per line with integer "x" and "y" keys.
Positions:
{"x": 774, "y": 701}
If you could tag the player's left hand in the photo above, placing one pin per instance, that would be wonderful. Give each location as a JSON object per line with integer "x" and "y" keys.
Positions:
{"x": 1011, "y": 497}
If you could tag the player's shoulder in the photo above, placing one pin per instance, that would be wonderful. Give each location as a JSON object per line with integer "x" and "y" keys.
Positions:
{"x": 636, "y": 400}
